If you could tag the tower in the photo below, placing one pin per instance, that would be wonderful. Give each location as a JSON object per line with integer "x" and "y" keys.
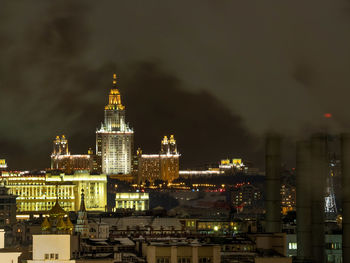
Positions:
{"x": 114, "y": 140}
{"x": 60, "y": 146}
{"x": 64, "y": 145}
{"x": 330, "y": 202}
{"x": 56, "y": 146}
{"x": 82, "y": 225}
{"x": 164, "y": 147}
{"x": 168, "y": 146}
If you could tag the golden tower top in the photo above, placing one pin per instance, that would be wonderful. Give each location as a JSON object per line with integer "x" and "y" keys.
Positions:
{"x": 115, "y": 101}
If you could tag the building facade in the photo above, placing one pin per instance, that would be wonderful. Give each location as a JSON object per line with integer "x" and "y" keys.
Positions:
{"x": 163, "y": 166}
{"x": 288, "y": 198}
{"x": 245, "y": 196}
{"x": 136, "y": 201}
{"x": 54, "y": 248}
{"x": 38, "y": 193}
{"x": 114, "y": 140}
{"x": 7, "y": 207}
{"x": 182, "y": 253}
{"x": 61, "y": 159}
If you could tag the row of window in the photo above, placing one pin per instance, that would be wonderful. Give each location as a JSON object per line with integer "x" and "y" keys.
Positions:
{"x": 332, "y": 246}
{"x": 184, "y": 260}
{"x": 51, "y": 256}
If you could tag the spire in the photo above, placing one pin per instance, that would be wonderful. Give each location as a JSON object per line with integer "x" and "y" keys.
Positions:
{"x": 57, "y": 210}
{"x": 45, "y": 226}
{"x": 64, "y": 145}
{"x": 61, "y": 225}
{"x": 172, "y": 139}
{"x": 165, "y": 140}
{"x": 164, "y": 146}
{"x": 114, "y": 80}
{"x": 56, "y": 146}
{"x": 115, "y": 102}
{"x": 82, "y": 202}
{"x": 172, "y": 146}
{"x": 69, "y": 224}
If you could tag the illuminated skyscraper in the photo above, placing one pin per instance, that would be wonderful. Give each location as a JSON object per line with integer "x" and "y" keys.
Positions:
{"x": 114, "y": 140}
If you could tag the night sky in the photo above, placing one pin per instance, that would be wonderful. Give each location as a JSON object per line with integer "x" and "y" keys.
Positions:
{"x": 217, "y": 74}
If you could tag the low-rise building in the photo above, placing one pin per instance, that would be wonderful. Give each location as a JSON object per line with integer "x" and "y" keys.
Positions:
{"x": 7, "y": 255}
{"x": 161, "y": 252}
{"x": 55, "y": 247}
{"x": 135, "y": 201}
{"x": 37, "y": 192}
{"x": 333, "y": 245}
{"x": 7, "y": 207}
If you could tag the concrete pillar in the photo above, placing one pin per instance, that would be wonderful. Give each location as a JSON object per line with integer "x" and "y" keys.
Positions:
{"x": 273, "y": 183}
{"x": 303, "y": 193}
{"x": 173, "y": 254}
{"x": 2, "y": 238}
{"x": 318, "y": 185}
{"x": 195, "y": 258}
{"x": 345, "y": 171}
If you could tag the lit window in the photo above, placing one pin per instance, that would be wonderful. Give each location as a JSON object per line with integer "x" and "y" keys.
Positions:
{"x": 163, "y": 260}
{"x": 204, "y": 260}
{"x": 292, "y": 246}
{"x": 183, "y": 260}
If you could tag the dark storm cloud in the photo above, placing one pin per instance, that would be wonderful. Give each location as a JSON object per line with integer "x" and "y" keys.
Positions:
{"x": 258, "y": 64}
{"x": 160, "y": 104}
{"x": 41, "y": 76}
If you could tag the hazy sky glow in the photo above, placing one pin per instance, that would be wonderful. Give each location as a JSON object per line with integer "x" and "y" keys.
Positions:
{"x": 217, "y": 74}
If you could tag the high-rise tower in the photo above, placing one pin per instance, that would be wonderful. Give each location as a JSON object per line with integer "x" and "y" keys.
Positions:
{"x": 114, "y": 140}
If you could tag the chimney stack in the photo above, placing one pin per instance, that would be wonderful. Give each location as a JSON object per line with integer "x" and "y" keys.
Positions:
{"x": 318, "y": 185}
{"x": 303, "y": 187}
{"x": 273, "y": 183}
{"x": 345, "y": 171}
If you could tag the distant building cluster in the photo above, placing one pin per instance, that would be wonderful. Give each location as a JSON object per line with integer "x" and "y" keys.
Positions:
{"x": 112, "y": 205}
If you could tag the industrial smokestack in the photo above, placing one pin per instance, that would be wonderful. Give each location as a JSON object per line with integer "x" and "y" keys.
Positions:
{"x": 303, "y": 188}
{"x": 345, "y": 172}
{"x": 318, "y": 185}
{"x": 273, "y": 183}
